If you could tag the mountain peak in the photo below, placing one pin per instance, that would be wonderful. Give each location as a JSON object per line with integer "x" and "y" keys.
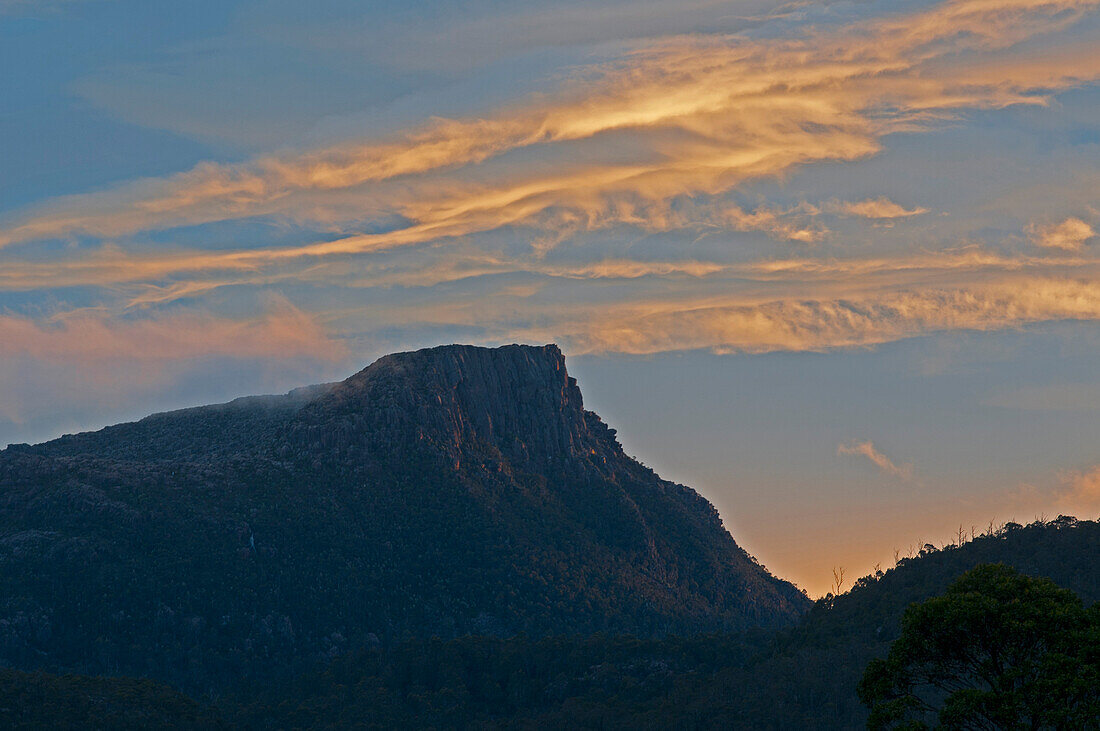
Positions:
{"x": 451, "y": 365}
{"x": 549, "y": 353}
{"x": 515, "y": 403}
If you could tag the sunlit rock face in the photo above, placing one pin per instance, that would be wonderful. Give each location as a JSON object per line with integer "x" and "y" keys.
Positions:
{"x": 443, "y": 492}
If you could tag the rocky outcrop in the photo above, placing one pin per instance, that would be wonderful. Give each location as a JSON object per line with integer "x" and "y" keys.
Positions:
{"x": 516, "y": 404}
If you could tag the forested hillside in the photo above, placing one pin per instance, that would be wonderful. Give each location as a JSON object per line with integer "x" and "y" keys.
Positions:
{"x": 446, "y": 492}
{"x": 805, "y": 677}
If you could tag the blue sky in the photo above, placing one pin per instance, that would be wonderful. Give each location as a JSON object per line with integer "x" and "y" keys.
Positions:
{"x": 832, "y": 264}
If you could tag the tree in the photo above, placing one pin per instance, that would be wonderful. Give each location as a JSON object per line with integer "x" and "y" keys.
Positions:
{"x": 838, "y": 579}
{"x": 999, "y": 650}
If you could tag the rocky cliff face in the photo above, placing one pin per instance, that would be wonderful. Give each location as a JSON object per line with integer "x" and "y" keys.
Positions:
{"x": 448, "y": 491}
{"x": 516, "y": 405}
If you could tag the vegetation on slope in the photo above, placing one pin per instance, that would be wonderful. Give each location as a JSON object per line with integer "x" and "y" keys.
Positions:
{"x": 42, "y": 701}
{"x": 458, "y": 493}
{"x": 801, "y": 678}
{"x": 450, "y": 492}
{"x": 805, "y": 677}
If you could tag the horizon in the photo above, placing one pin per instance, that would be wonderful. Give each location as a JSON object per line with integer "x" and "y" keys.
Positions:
{"x": 833, "y": 265}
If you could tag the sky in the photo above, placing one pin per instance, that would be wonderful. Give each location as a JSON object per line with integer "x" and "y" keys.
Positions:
{"x": 835, "y": 265}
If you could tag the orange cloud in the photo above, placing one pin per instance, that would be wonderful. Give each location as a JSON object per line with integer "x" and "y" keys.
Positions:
{"x": 1080, "y": 490}
{"x": 881, "y": 207}
{"x": 95, "y": 338}
{"x": 1069, "y": 235}
{"x": 697, "y": 116}
{"x": 89, "y": 366}
{"x": 723, "y": 311}
{"x": 880, "y": 460}
{"x": 755, "y": 323}
{"x": 784, "y": 304}
{"x": 704, "y": 115}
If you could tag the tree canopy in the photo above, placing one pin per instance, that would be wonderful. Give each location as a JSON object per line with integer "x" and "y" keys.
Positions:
{"x": 998, "y": 650}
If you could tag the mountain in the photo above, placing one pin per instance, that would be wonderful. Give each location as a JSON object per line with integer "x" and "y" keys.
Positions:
{"x": 445, "y": 492}
{"x": 447, "y": 539}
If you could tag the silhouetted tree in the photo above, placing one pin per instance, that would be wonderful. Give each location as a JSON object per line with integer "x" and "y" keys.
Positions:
{"x": 838, "y": 579}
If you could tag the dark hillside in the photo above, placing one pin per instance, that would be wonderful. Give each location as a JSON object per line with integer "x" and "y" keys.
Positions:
{"x": 808, "y": 678}
{"x": 445, "y": 492}
{"x": 800, "y": 678}
{"x": 34, "y": 701}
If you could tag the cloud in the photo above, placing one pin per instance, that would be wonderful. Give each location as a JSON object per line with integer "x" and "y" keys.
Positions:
{"x": 793, "y": 304}
{"x": 117, "y": 269}
{"x": 697, "y": 115}
{"x": 1080, "y": 490}
{"x": 881, "y": 207}
{"x": 94, "y": 363}
{"x": 880, "y": 460}
{"x": 111, "y": 267}
{"x": 1069, "y": 235}
{"x": 661, "y": 139}
{"x": 722, "y": 310}
{"x": 1070, "y": 492}
{"x": 756, "y": 324}
{"x": 99, "y": 340}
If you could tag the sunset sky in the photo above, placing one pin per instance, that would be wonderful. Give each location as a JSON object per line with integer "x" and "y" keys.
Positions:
{"x": 834, "y": 265}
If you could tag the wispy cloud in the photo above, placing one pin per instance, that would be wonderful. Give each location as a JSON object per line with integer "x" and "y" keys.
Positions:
{"x": 789, "y": 304}
{"x": 661, "y": 140}
{"x": 113, "y": 267}
{"x": 881, "y": 207}
{"x": 702, "y": 115}
{"x": 885, "y": 464}
{"x": 848, "y": 319}
{"x": 1069, "y": 235}
{"x": 99, "y": 341}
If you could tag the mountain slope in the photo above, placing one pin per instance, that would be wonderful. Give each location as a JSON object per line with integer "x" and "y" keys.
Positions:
{"x": 804, "y": 677}
{"x": 449, "y": 491}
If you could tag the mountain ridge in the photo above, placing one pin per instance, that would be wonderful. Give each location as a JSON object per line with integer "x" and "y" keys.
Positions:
{"x": 447, "y": 491}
